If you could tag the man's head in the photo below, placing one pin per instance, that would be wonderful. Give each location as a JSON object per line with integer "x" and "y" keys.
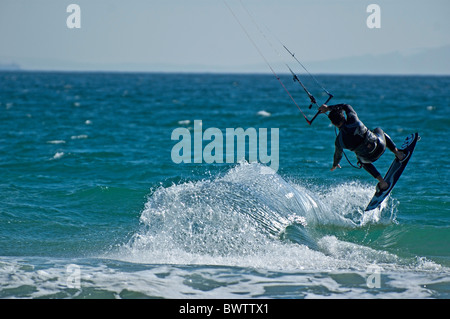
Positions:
{"x": 337, "y": 117}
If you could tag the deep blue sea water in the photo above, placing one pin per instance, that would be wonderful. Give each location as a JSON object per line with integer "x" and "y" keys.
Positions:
{"x": 92, "y": 204}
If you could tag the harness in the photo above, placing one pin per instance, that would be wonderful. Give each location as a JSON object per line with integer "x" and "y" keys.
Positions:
{"x": 368, "y": 150}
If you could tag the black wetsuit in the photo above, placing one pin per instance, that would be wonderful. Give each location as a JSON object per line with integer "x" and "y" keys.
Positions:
{"x": 354, "y": 135}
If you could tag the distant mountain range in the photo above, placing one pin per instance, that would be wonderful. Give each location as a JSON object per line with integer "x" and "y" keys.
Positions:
{"x": 430, "y": 61}
{"x": 9, "y": 67}
{"x": 433, "y": 61}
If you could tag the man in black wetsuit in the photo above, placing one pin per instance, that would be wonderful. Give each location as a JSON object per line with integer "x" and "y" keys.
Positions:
{"x": 354, "y": 135}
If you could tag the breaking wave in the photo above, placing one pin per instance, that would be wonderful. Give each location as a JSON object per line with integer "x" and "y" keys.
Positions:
{"x": 251, "y": 216}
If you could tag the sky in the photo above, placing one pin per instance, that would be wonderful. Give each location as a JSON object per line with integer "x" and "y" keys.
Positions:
{"x": 203, "y": 35}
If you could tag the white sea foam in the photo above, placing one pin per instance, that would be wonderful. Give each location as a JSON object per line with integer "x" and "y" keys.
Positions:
{"x": 58, "y": 155}
{"x": 106, "y": 278}
{"x": 56, "y": 142}
{"x": 77, "y": 137}
{"x": 184, "y": 122}
{"x": 264, "y": 113}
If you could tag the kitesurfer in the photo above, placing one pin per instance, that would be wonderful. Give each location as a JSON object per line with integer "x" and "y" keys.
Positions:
{"x": 354, "y": 135}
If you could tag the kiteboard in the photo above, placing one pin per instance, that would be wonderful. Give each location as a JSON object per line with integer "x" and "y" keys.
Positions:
{"x": 395, "y": 171}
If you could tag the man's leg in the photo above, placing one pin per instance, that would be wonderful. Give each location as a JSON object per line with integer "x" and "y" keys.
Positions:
{"x": 369, "y": 167}
{"x": 391, "y": 146}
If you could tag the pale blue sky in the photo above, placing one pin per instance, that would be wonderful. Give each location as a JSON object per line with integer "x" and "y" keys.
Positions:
{"x": 202, "y": 34}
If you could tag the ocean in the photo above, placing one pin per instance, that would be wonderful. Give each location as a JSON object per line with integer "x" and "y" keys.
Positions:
{"x": 95, "y": 201}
